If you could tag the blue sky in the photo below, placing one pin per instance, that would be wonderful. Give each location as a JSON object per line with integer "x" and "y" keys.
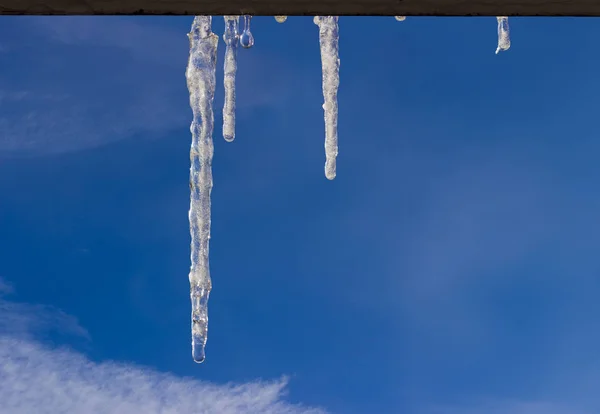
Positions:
{"x": 450, "y": 268}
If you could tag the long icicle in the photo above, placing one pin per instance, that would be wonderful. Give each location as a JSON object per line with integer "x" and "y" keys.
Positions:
{"x": 231, "y": 38}
{"x": 330, "y": 62}
{"x": 200, "y": 76}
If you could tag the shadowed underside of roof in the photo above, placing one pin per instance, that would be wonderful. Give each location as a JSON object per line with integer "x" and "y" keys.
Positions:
{"x": 305, "y": 7}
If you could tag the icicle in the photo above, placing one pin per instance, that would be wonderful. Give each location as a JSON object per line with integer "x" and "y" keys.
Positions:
{"x": 246, "y": 38}
{"x": 200, "y": 76}
{"x": 400, "y": 18}
{"x": 503, "y": 34}
{"x": 330, "y": 62}
{"x": 231, "y": 38}
{"x": 280, "y": 19}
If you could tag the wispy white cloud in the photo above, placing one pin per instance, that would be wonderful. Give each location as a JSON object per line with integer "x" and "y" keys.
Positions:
{"x": 470, "y": 220}
{"x": 24, "y": 320}
{"x": 35, "y": 378}
{"x": 5, "y": 288}
{"x": 27, "y": 321}
{"x": 43, "y": 126}
{"x": 484, "y": 265}
{"x": 94, "y": 81}
{"x": 110, "y": 78}
{"x": 140, "y": 36}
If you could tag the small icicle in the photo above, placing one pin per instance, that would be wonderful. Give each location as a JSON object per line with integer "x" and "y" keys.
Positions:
{"x": 400, "y": 18}
{"x": 246, "y": 38}
{"x": 330, "y": 62}
{"x": 280, "y": 19}
{"x": 200, "y": 75}
{"x": 503, "y": 34}
{"x": 231, "y": 38}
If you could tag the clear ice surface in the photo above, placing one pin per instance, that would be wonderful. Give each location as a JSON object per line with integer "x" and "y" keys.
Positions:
{"x": 503, "y": 34}
{"x": 330, "y": 62}
{"x": 246, "y": 38}
{"x": 200, "y": 75}
{"x": 231, "y": 38}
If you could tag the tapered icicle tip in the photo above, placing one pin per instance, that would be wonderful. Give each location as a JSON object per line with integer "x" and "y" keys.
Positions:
{"x": 198, "y": 354}
{"x": 330, "y": 170}
{"x": 199, "y": 298}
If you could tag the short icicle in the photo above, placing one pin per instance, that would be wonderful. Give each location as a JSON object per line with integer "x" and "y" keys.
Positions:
{"x": 231, "y": 38}
{"x": 330, "y": 62}
{"x": 280, "y": 19}
{"x": 200, "y": 76}
{"x": 503, "y": 34}
{"x": 246, "y": 38}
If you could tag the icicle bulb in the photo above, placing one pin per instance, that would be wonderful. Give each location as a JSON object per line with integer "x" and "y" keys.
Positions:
{"x": 246, "y": 38}
{"x": 400, "y": 18}
{"x": 280, "y": 19}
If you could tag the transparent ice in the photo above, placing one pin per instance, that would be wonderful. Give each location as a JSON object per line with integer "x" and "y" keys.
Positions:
{"x": 231, "y": 38}
{"x": 503, "y": 34}
{"x": 330, "y": 62}
{"x": 200, "y": 75}
{"x": 246, "y": 38}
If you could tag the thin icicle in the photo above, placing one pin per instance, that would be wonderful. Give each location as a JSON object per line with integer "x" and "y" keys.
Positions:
{"x": 503, "y": 34}
{"x": 200, "y": 76}
{"x": 280, "y": 19}
{"x": 231, "y": 38}
{"x": 330, "y": 62}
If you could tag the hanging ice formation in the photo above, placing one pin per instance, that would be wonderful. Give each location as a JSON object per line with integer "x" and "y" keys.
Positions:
{"x": 330, "y": 62}
{"x": 200, "y": 75}
{"x": 503, "y": 34}
{"x": 246, "y": 38}
{"x": 231, "y": 40}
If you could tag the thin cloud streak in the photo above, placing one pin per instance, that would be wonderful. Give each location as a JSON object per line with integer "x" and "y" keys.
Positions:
{"x": 95, "y": 81}
{"x": 488, "y": 268}
{"x": 142, "y": 39}
{"x": 124, "y": 77}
